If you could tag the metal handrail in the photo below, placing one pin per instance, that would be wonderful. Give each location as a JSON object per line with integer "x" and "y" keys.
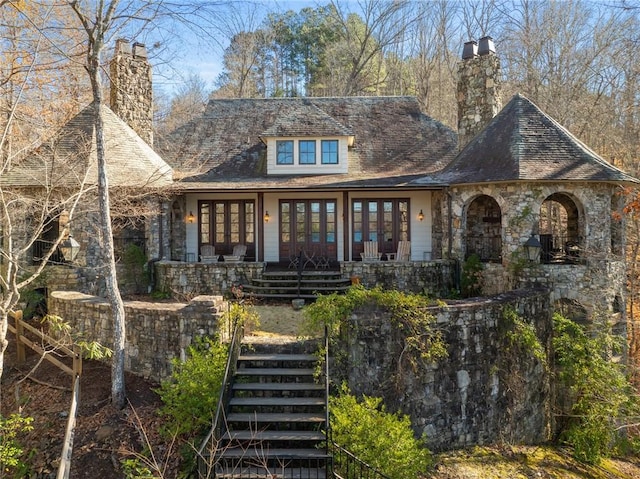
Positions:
{"x": 230, "y": 369}
{"x": 351, "y": 467}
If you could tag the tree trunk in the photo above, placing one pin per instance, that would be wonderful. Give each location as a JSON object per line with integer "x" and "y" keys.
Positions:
{"x": 118, "y": 396}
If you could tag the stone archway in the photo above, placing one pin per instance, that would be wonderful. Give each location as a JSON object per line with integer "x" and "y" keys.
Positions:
{"x": 483, "y": 235}
{"x": 559, "y": 228}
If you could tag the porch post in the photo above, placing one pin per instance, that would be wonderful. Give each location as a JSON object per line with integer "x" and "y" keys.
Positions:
{"x": 345, "y": 226}
{"x": 259, "y": 219}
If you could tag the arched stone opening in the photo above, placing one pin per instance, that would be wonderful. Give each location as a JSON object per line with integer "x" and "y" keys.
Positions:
{"x": 559, "y": 228}
{"x": 484, "y": 229}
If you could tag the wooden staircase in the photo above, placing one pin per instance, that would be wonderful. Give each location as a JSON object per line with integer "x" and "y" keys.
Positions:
{"x": 291, "y": 284}
{"x": 275, "y": 420}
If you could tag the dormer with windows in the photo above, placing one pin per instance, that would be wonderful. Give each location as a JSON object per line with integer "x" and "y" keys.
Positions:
{"x": 307, "y": 141}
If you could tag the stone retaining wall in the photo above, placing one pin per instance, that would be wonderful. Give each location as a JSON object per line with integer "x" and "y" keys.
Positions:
{"x": 486, "y": 390}
{"x": 156, "y": 333}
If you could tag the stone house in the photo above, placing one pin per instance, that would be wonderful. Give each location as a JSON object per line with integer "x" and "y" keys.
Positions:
{"x": 326, "y": 176}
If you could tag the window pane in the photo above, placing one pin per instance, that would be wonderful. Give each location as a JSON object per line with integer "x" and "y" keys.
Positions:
{"x": 307, "y": 152}
{"x": 403, "y": 206}
{"x": 329, "y": 152}
{"x": 300, "y": 222}
{"x": 248, "y": 223}
{"x": 205, "y": 223}
{"x": 387, "y": 225}
{"x": 357, "y": 221}
{"x": 315, "y": 222}
{"x": 285, "y": 222}
{"x": 331, "y": 222}
{"x": 373, "y": 220}
{"x": 220, "y": 223}
{"x": 284, "y": 152}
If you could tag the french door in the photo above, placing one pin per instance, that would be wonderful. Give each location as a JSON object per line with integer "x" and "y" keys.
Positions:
{"x": 383, "y": 220}
{"x": 227, "y": 223}
{"x": 308, "y": 226}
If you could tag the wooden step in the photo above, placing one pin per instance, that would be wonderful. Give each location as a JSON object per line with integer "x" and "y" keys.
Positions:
{"x": 260, "y": 453}
{"x": 278, "y": 281}
{"x": 279, "y": 471}
{"x": 286, "y": 401}
{"x": 263, "y": 417}
{"x": 278, "y": 387}
{"x": 260, "y": 436}
{"x": 274, "y": 372}
{"x": 277, "y": 357}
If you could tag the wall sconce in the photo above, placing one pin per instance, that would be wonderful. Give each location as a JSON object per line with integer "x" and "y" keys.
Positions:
{"x": 420, "y": 215}
{"x": 266, "y": 217}
{"x": 190, "y": 217}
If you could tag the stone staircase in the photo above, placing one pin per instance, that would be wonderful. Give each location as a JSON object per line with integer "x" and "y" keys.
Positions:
{"x": 275, "y": 418}
{"x": 291, "y": 285}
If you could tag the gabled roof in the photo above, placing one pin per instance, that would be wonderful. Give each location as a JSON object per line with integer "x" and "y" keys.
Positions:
{"x": 394, "y": 142}
{"x": 522, "y": 143}
{"x": 66, "y": 158}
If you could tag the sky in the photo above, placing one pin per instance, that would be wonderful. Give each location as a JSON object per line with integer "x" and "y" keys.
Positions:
{"x": 196, "y": 54}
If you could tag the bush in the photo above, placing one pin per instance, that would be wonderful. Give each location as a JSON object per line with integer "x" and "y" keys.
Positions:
{"x": 472, "y": 281}
{"x": 601, "y": 397}
{"x": 191, "y": 395}
{"x": 379, "y": 438}
{"x": 10, "y": 450}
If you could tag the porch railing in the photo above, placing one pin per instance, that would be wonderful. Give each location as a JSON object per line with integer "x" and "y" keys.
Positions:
{"x": 559, "y": 249}
{"x": 347, "y": 466}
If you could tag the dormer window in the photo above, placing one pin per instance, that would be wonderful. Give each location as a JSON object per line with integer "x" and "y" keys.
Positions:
{"x": 329, "y": 152}
{"x": 284, "y": 152}
{"x": 307, "y": 151}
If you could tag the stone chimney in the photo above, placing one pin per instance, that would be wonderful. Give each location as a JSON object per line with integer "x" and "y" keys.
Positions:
{"x": 479, "y": 98}
{"x": 131, "y": 88}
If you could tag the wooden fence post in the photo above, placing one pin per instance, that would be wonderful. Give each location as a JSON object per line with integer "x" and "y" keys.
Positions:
{"x": 21, "y": 354}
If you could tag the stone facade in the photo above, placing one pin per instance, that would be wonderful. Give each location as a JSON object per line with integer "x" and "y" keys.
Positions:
{"x": 131, "y": 88}
{"x": 156, "y": 333}
{"x": 485, "y": 390}
{"x": 479, "y": 78}
{"x": 596, "y": 279}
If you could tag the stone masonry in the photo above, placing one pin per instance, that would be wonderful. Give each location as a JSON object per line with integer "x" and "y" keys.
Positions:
{"x": 131, "y": 88}
{"x": 478, "y": 89}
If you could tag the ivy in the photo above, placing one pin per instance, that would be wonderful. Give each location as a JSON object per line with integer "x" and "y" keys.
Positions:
{"x": 521, "y": 336}
{"x": 472, "y": 280}
{"x": 11, "y": 451}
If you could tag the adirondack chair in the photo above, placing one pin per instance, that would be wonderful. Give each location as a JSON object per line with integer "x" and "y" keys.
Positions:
{"x": 371, "y": 251}
{"x": 239, "y": 251}
{"x": 208, "y": 254}
{"x": 403, "y": 253}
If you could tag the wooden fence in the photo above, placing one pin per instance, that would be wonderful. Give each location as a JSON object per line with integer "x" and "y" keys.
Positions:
{"x": 22, "y": 342}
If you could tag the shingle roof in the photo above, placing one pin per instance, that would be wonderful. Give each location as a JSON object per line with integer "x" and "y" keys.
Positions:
{"x": 71, "y": 153}
{"x": 394, "y": 142}
{"x": 523, "y": 143}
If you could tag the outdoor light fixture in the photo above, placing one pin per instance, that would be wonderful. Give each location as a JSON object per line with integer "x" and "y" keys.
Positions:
{"x": 266, "y": 216}
{"x": 190, "y": 217}
{"x": 421, "y": 215}
{"x": 69, "y": 249}
{"x": 533, "y": 247}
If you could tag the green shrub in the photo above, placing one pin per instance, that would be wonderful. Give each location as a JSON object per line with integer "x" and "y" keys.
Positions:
{"x": 601, "y": 397}
{"x": 191, "y": 395}
{"x": 471, "y": 282}
{"x": 10, "y": 449}
{"x": 379, "y": 438}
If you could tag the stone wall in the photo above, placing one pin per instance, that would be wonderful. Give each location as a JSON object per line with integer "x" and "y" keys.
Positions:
{"x": 185, "y": 280}
{"x": 434, "y": 278}
{"x": 156, "y": 333}
{"x": 486, "y": 390}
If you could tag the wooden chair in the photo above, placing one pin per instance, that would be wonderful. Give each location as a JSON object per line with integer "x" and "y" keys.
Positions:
{"x": 371, "y": 251}
{"x": 208, "y": 254}
{"x": 239, "y": 251}
{"x": 403, "y": 253}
